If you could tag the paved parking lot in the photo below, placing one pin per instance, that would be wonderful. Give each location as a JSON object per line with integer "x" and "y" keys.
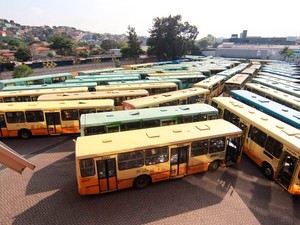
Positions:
{"x": 48, "y": 195}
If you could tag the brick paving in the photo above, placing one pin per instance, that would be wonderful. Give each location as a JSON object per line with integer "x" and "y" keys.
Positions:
{"x": 48, "y": 195}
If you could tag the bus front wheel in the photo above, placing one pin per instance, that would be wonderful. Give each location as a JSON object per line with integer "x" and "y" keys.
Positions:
{"x": 267, "y": 170}
{"x": 24, "y": 134}
{"x": 213, "y": 166}
{"x": 141, "y": 182}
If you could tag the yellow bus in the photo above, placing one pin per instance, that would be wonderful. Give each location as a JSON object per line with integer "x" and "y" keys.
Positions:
{"x": 275, "y": 95}
{"x": 180, "y": 97}
{"x": 152, "y": 88}
{"x": 237, "y": 82}
{"x": 273, "y": 145}
{"x": 214, "y": 84}
{"x": 118, "y": 96}
{"x": 138, "y": 66}
{"x": 32, "y": 95}
{"x": 26, "y": 119}
{"x": 137, "y": 158}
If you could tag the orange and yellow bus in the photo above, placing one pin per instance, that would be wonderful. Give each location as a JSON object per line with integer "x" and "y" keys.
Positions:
{"x": 32, "y": 95}
{"x": 272, "y": 144}
{"x": 26, "y": 119}
{"x": 180, "y": 97}
{"x": 110, "y": 162}
{"x": 118, "y": 96}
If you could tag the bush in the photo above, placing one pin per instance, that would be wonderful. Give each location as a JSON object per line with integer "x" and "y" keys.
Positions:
{"x": 117, "y": 63}
{"x": 22, "y": 71}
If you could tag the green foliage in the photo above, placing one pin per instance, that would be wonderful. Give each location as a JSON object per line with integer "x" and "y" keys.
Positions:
{"x": 287, "y": 53}
{"x": 204, "y": 43}
{"x": 83, "y": 53}
{"x": 23, "y": 54}
{"x": 62, "y": 44}
{"x": 117, "y": 63}
{"x": 170, "y": 38}
{"x": 22, "y": 71}
{"x": 108, "y": 44}
{"x": 133, "y": 49}
{"x": 12, "y": 43}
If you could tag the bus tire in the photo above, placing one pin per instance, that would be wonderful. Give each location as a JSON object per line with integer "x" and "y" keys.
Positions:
{"x": 213, "y": 166}
{"x": 24, "y": 134}
{"x": 267, "y": 170}
{"x": 141, "y": 182}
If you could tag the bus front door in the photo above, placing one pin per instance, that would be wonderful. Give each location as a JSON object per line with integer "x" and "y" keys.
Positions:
{"x": 107, "y": 175}
{"x": 233, "y": 151}
{"x": 3, "y": 127}
{"x": 179, "y": 156}
{"x": 285, "y": 169}
{"x": 53, "y": 123}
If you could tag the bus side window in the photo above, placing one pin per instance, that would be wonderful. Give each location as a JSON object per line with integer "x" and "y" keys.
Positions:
{"x": 151, "y": 123}
{"x": 15, "y": 117}
{"x": 216, "y": 145}
{"x": 258, "y": 136}
{"x": 69, "y": 114}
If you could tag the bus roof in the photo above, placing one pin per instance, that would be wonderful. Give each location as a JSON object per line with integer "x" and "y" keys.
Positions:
{"x": 166, "y": 97}
{"x": 279, "y": 130}
{"x": 90, "y": 72}
{"x": 12, "y": 80}
{"x": 96, "y": 119}
{"x": 275, "y": 93}
{"x": 208, "y": 82}
{"x": 186, "y": 73}
{"x": 268, "y": 106}
{"x": 93, "y": 95}
{"x": 237, "y": 79}
{"x": 41, "y": 91}
{"x": 113, "y": 143}
{"x": 282, "y": 87}
{"x": 49, "y": 86}
{"x": 130, "y": 86}
{"x": 80, "y": 104}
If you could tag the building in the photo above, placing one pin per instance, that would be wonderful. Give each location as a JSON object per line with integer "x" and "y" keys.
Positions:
{"x": 251, "y": 51}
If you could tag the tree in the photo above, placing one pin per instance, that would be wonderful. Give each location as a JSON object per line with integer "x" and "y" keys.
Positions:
{"x": 22, "y": 71}
{"x": 133, "y": 49}
{"x": 286, "y": 53}
{"x": 204, "y": 43}
{"x": 83, "y": 53}
{"x": 170, "y": 38}
{"x": 108, "y": 44}
{"x": 62, "y": 44}
{"x": 23, "y": 54}
{"x": 12, "y": 43}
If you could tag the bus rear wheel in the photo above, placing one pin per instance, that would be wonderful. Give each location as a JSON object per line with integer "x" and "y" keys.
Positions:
{"x": 24, "y": 134}
{"x": 141, "y": 182}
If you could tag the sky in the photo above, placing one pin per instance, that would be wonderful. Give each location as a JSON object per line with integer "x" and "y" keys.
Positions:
{"x": 220, "y": 18}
